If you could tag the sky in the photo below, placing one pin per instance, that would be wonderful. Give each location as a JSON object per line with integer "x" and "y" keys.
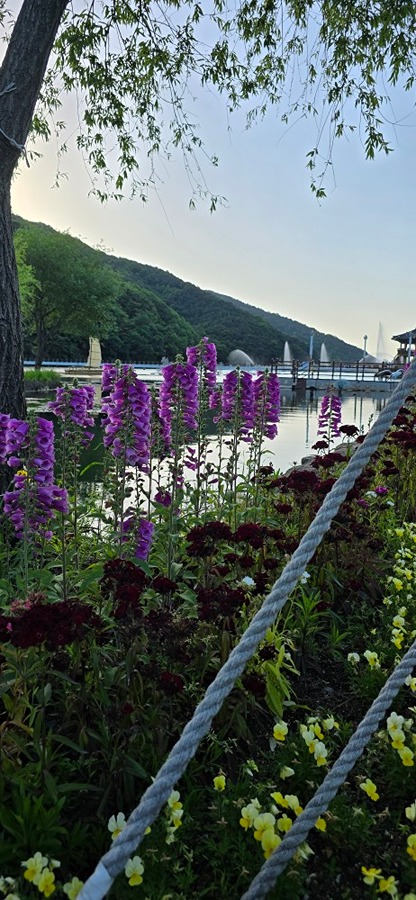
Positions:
{"x": 341, "y": 266}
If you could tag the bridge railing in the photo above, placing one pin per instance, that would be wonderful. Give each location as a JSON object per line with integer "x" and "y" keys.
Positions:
{"x": 335, "y": 371}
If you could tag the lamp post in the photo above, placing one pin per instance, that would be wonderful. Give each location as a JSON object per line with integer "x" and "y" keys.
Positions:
{"x": 364, "y": 354}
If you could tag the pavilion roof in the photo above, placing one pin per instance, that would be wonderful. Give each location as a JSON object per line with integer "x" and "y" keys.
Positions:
{"x": 404, "y": 338}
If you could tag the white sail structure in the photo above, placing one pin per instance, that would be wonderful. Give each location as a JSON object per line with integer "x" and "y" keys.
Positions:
{"x": 94, "y": 355}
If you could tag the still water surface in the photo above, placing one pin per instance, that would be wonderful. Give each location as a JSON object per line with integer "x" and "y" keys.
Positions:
{"x": 298, "y": 425}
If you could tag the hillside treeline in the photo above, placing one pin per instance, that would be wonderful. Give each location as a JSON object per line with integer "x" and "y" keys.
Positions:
{"x": 140, "y": 313}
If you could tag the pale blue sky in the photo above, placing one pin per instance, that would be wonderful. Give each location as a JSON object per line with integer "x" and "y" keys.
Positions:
{"x": 341, "y": 266}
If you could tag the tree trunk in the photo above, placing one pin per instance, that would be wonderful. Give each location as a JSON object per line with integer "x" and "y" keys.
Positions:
{"x": 21, "y": 76}
{"x": 11, "y": 346}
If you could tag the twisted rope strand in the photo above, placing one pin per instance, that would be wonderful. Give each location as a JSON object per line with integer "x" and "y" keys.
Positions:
{"x": 185, "y": 748}
{"x": 277, "y": 862}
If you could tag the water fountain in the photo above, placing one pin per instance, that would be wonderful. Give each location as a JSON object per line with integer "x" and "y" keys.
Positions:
{"x": 239, "y": 358}
{"x": 324, "y": 357}
{"x": 287, "y": 353}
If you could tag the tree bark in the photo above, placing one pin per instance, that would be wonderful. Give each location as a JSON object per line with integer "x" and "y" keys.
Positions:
{"x": 21, "y": 76}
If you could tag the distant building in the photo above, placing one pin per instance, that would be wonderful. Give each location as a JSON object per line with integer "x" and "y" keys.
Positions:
{"x": 407, "y": 341}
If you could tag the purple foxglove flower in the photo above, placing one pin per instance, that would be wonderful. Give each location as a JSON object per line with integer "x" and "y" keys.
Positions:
{"x": 247, "y": 406}
{"x": 237, "y": 402}
{"x": 74, "y": 405}
{"x": 163, "y": 497}
{"x": 204, "y": 355}
{"x": 144, "y": 539}
{"x": 16, "y": 435}
{"x": 267, "y": 403}
{"x": 178, "y": 391}
{"x": 108, "y": 377}
{"x": 329, "y": 418}
{"x": 229, "y": 394}
{"x": 35, "y": 498}
{"x": 127, "y": 419}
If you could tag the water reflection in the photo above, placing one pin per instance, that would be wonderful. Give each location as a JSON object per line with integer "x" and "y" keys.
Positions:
{"x": 299, "y": 423}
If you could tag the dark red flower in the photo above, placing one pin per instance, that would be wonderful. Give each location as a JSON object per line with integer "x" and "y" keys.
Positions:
{"x": 250, "y": 533}
{"x": 163, "y": 585}
{"x": 254, "y": 684}
{"x": 169, "y": 683}
{"x": 246, "y": 561}
{"x": 283, "y": 508}
{"x": 219, "y": 604}
{"x": 117, "y": 574}
{"x": 54, "y": 624}
{"x": 302, "y": 481}
{"x": 320, "y": 445}
{"x": 325, "y": 486}
{"x": 289, "y": 545}
{"x": 349, "y": 430}
{"x": 276, "y": 533}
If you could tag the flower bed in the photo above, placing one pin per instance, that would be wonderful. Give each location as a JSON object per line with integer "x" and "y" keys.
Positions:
{"x": 120, "y": 602}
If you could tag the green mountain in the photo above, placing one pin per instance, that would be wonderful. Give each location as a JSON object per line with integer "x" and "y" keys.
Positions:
{"x": 337, "y": 349}
{"x": 157, "y": 314}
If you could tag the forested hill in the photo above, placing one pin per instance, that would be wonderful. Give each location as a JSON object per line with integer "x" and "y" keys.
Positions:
{"x": 228, "y": 327}
{"x": 152, "y": 313}
{"x": 232, "y": 323}
{"x": 336, "y": 348}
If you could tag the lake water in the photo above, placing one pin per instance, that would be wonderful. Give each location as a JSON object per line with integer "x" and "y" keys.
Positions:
{"x": 298, "y": 425}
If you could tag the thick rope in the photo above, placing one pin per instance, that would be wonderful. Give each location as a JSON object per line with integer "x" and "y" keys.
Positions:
{"x": 277, "y": 862}
{"x": 183, "y": 751}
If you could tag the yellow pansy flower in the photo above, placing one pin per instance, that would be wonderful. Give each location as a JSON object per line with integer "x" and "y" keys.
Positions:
{"x": 72, "y": 888}
{"x": 219, "y": 783}
{"x": 397, "y": 739}
{"x": 279, "y": 799}
{"x": 46, "y": 884}
{"x": 249, "y": 813}
{"x": 284, "y": 823}
{"x": 280, "y": 731}
{"x": 34, "y": 866}
{"x": 262, "y": 823}
{"x": 292, "y": 802}
{"x": 406, "y": 756}
{"x": 173, "y": 800}
{"x": 372, "y": 659}
{"x": 388, "y": 886}
{"x": 134, "y": 870}
{"x": 370, "y": 875}
{"x": 287, "y": 772}
{"x": 370, "y": 789}
{"x": 394, "y": 723}
{"x": 269, "y": 841}
{"x": 411, "y": 846}
{"x": 330, "y": 723}
{"x": 320, "y": 753}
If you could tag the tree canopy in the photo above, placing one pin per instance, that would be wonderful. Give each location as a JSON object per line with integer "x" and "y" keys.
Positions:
{"x": 136, "y": 66}
{"x": 64, "y": 287}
